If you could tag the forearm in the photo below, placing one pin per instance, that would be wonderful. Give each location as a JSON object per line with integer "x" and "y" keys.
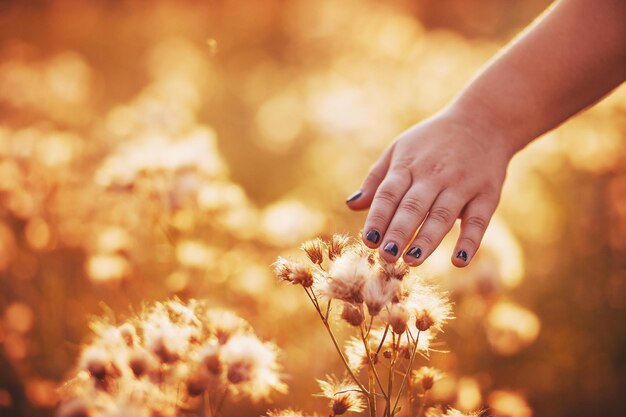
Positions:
{"x": 566, "y": 61}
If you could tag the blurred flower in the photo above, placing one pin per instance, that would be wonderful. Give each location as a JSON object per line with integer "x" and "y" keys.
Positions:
{"x": 508, "y": 404}
{"x": 511, "y": 328}
{"x": 139, "y": 366}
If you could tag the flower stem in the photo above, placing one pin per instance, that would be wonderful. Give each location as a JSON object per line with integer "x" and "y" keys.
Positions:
{"x": 371, "y": 363}
{"x": 335, "y": 343}
{"x": 422, "y": 404}
{"x": 406, "y": 375}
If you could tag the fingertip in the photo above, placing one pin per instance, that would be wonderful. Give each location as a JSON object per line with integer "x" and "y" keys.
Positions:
{"x": 413, "y": 257}
{"x": 371, "y": 238}
{"x": 389, "y": 251}
{"x": 461, "y": 258}
{"x": 359, "y": 200}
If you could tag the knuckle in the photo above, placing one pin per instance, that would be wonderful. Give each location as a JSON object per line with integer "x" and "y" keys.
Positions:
{"x": 425, "y": 240}
{"x": 399, "y": 235}
{"x": 441, "y": 214}
{"x": 477, "y": 222}
{"x": 413, "y": 206}
{"x": 468, "y": 243}
{"x": 386, "y": 196}
{"x": 377, "y": 219}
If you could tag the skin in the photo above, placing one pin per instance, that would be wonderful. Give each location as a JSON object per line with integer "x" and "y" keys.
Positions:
{"x": 453, "y": 165}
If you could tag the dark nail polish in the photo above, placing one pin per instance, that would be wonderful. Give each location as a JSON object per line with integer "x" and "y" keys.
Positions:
{"x": 354, "y": 196}
{"x": 415, "y": 252}
{"x": 462, "y": 255}
{"x": 391, "y": 248}
{"x": 373, "y": 236}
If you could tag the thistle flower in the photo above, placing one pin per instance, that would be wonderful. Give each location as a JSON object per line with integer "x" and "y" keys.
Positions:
{"x": 347, "y": 276}
{"x": 344, "y": 395}
{"x": 293, "y": 272}
{"x": 285, "y": 413}
{"x": 336, "y": 246}
{"x": 314, "y": 250}
{"x": 397, "y": 270}
{"x": 378, "y": 290}
{"x": 452, "y": 412}
{"x": 352, "y": 314}
{"x": 430, "y": 308}
{"x": 173, "y": 345}
{"x": 398, "y": 318}
{"x": 426, "y": 377}
{"x": 251, "y": 366}
{"x": 223, "y": 324}
{"x": 356, "y": 354}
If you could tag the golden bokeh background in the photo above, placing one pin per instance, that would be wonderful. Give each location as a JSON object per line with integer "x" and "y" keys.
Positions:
{"x": 154, "y": 149}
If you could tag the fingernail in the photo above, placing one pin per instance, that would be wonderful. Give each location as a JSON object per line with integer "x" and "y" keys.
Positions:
{"x": 462, "y": 255}
{"x": 354, "y": 196}
{"x": 415, "y": 252}
{"x": 391, "y": 248}
{"x": 373, "y": 236}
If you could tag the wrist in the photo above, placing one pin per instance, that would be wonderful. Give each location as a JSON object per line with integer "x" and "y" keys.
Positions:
{"x": 485, "y": 125}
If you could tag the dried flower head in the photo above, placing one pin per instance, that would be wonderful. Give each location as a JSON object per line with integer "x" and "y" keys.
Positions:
{"x": 314, "y": 249}
{"x": 426, "y": 377}
{"x": 451, "y": 412}
{"x": 398, "y": 318}
{"x": 336, "y": 245}
{"x": 293, "y": 272}
{"x": 379, "y": 291}
{"x": 347, "y": 276}
{"x": 285, "y": 413}
{"x": 344, "y": 395}
{"x": 397, "y": 270}
{"x": 173, "y": 345}
{"x": 251, "y": 366}
{"x": 352, "y": 314}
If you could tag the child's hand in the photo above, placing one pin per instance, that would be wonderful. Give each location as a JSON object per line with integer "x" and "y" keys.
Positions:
{"x": 444, "y": 168}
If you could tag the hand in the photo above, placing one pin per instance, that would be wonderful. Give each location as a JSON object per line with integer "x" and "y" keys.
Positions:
{"x": 447, "y": 167}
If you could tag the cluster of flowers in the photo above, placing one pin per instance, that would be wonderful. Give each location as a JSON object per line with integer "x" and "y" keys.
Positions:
{"x": 395, "y": 313}
{"x": 170, "y": 358}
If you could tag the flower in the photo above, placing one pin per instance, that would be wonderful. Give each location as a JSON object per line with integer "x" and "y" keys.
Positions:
{"x": 314, "y": 250}
{"x": 426, "y": 377}
{"x": 293, "y": 272}
{"x": 344, "y": 395}
{"x": 346, "y": 277}
{"x": 139, "y": 367}
{"x": 336, "y": 246}
{"x": 251, "y": 366}
{"x": 452, "y": 412}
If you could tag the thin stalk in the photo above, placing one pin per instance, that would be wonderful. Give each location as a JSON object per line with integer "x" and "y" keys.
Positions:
{"x": 219, "y": 405}
{"x": 371, "y": 398}
{"x": 371, "y": 363}
{"x": 422, "y": 404}
{"x": 206, "y": 404}
{"x": 382, "y": 340}
{"x": 406, "y": 375}
{"x": 336, "y": 344}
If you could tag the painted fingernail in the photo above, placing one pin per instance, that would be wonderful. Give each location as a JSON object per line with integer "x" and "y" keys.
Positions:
{"x": 462, "y": 255}
{"x": 391, "y": 248}
{"x": 415, "y": 252}
{"x": 373, "y": 236}
{"x": 354, "y": 196}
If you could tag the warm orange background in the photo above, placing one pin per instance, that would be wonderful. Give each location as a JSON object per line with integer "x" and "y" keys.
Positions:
{"x": 151, "y": 149}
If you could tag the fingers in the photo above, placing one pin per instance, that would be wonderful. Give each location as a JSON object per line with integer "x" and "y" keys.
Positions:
{"x": 440, "y": 219}
{"x": 474, "y": 221}
{"x": 362, "y": 198}
{"x": 384, "y": 205}
{"x": 410, "y": 213}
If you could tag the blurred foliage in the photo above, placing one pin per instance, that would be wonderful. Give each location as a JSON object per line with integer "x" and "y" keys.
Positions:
{"x": 178, "y": 148}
